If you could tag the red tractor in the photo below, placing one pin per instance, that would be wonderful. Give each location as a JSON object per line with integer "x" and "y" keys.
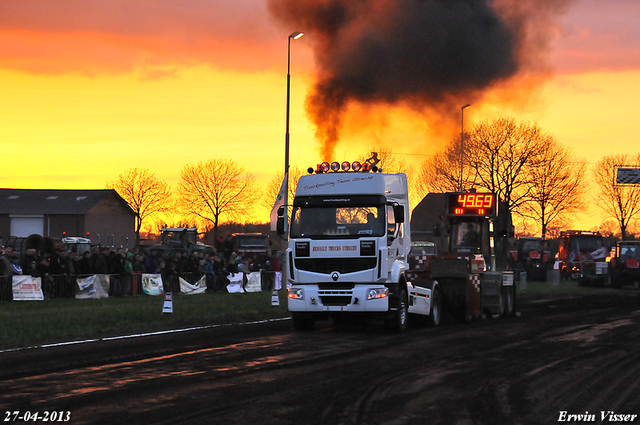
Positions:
{"x": 582, "y": 257}
{"x": 625, "y": 264}
{"x": 530, "y": 256}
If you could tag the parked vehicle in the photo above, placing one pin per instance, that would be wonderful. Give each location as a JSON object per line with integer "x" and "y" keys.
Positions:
{"x": 529, "y": 256}
{"x": 625, "y": 263}
{"x": 582, "y": 257}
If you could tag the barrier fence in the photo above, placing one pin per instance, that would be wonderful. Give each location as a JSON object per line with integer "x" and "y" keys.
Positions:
{"x": 67, "y": 286}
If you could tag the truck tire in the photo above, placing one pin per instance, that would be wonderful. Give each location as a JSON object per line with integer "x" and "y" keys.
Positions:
{"x": 398, "y": 323}
{"x": 436, "y": 308}
{"x": 509, "y": 300}
{"x": 302, "y": 322}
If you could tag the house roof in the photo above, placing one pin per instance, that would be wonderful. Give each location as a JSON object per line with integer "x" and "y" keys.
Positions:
{"x": 54, "y": 201}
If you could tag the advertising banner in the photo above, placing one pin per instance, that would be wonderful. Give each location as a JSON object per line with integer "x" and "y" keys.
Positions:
{"x": 96, "y": 286}
{"x": 27, "y": 288}
{"x": 197, "y": 288}
{"x": 236, "y": 280}
{"x": 254, "y": 282}
{"x": 152, "y": 284}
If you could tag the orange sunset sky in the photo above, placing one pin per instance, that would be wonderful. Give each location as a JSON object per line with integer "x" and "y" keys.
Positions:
{"x": 91, "y": 88}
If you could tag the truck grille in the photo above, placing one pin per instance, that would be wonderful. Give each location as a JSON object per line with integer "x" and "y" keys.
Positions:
{"x": 449, "y": 267}
{"x": 340, "y": 300}
{"x": 340, "y": 265}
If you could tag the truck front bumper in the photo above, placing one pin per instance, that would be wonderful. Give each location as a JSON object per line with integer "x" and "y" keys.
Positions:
{"x": 361, "y": 298}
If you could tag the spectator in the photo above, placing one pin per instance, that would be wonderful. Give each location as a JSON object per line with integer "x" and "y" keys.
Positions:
{"x": 99, "y": 264}
{"x": 44, "y": 273}
{"x": 5, "y": 263}
{"x": 84, "y": 264}
{"x": 153, "y": 261}
{"x": 59, "y": 268}
{"x": 138, "y": 264}
{"x": 29, "y": 262}
{"x": 16, "y": 270}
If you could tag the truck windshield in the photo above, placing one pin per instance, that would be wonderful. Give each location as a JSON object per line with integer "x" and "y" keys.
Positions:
{"x": 630, "y": 251}
{"x": 251, "y": 241}
{"x": 337, "y": 222}
{"x": 466, "y": 237}
{"x": 586, "y": 243}
{"x": 528, "y": 246}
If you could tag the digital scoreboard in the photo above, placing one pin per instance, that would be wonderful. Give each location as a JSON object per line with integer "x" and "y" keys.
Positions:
{"x": 479, "y": 204}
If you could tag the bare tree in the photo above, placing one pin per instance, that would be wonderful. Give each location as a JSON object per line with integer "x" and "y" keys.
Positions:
{"x": 501, "y": 154}
{"x": 214, "y": 190}
{"x": 273, "y": 187}
{"x": 441, "y": 172}
{"x": 146, "y": 195}
{"x": 557, "y": 185}
{"x": 619, "y": 202}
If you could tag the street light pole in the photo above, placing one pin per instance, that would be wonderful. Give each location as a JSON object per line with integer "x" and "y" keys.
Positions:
{"x": 462, "y": 141}
{"x": 293, "y": 36}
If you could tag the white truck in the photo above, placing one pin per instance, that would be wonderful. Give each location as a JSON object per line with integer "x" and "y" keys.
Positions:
{"x": 349, "y": 241}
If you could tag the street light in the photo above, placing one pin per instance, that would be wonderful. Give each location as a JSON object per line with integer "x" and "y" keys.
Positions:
{"x": 462, "y": 140}
{"x": 293, "y": 36}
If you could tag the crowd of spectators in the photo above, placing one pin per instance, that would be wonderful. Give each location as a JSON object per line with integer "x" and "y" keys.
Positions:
{"x": 122, "y": 265}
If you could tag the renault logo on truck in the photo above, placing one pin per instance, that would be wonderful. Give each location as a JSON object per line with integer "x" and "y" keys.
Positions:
{"x": 335, "y": 276}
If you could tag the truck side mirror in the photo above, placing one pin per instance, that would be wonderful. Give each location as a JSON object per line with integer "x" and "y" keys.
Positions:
{"x": 398, "y": 212}
{"x": 280, "y": 225}
{"x": 280, "y": 221}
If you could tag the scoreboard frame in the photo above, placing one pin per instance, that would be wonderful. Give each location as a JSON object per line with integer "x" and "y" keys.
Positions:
{"x": 472, "y": 204}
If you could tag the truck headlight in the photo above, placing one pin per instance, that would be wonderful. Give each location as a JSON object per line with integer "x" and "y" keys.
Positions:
{"x": 296, "y": 293}
{"x": 378, "y": 293}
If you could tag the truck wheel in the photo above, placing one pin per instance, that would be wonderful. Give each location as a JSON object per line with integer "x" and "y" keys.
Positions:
{"x": 501, "y": 303}
{"x": 398, "y": 323}
{"x": 509, "y": 301}
{"x": 436, "y": 308}
{"x": 302, "y": 322}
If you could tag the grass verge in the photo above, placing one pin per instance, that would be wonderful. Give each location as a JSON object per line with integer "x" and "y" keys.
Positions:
{"x": 26, "y": 323}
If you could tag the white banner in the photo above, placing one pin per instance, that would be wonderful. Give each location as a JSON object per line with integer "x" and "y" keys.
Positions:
{"x": 197, "y": 288}
{"x": 152, "y": 284}
{"x": 96, "y": 286}
{"x": 236, "y": 283}
{"x": 27, "y": 288}
{"x": 278, "y": 283}
{"x": 273, "y": 217}
{"x": 254, "y": 282}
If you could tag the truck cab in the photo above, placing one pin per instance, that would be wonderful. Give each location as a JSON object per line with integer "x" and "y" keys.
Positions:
{"x": 582, "y": 257}
{"x": 349, "y": 241}
{"x": 625, "y": 264}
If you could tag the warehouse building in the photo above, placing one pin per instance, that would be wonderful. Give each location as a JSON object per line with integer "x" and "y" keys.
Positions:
{"x": 100, "y": 215}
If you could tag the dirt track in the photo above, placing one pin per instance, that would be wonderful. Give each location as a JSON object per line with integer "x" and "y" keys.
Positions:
{"x": 569, "y": 354}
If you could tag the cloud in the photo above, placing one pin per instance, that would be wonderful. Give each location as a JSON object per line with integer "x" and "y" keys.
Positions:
{"x": 95, "y": 36}
{"x": 430, "y": 55}
{"x": 598, "y": 36}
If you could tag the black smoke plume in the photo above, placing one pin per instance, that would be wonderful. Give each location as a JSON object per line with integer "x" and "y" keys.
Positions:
{"x": 427, "y": 54}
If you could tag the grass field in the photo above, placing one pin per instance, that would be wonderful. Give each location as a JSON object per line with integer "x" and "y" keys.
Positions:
{"x": 26, "y": 323}
{"x": 29, "y": 323}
